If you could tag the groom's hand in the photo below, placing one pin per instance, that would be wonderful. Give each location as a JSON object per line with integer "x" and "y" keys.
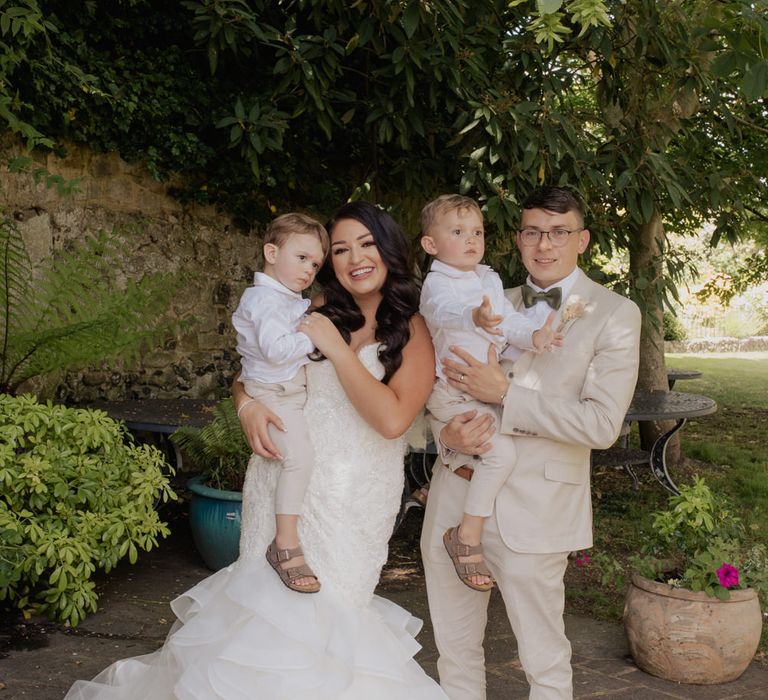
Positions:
{"x": 485, "y": 382}
{"x": 468, "y": 433}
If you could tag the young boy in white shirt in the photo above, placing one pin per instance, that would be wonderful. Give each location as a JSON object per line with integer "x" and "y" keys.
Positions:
{"x": 273, "y": 355}
{"x": 464, "y": 305}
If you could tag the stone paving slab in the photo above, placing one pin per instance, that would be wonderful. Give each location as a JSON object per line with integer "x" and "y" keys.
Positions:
{"x": 134, "y": 618}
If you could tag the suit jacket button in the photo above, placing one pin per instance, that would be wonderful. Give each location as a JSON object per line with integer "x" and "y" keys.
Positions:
{"x": 510, "y": 375}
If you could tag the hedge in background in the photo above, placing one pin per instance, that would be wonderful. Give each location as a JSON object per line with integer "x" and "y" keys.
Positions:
{"x": 75, "y": 495}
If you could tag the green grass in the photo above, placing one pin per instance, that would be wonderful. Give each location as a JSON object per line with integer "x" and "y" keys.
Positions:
{"x": 733, "y": 439}
{"x": 728, "y": 448}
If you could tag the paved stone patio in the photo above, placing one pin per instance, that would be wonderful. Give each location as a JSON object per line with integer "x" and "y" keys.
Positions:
{"x": 39, "y": 661}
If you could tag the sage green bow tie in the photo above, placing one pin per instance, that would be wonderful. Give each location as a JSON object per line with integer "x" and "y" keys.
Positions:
{"x": 553, "y": 297}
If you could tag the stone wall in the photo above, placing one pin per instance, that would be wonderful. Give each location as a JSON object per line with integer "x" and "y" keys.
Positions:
{"x": 160, "y": 235}
{"x": 756, "y": 343}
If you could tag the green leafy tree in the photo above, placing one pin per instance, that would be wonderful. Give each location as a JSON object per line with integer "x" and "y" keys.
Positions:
{"x": 273, "y": 105}
{"x": 658, "y": 118}
{"x": 654, "y": 109}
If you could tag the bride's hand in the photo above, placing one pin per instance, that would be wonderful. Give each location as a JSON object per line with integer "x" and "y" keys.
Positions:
{"x": 323, "y": 334}
{"x": 255, "y": 419}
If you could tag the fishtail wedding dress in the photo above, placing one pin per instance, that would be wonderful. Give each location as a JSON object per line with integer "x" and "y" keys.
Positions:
{"x": 241, "y": 634}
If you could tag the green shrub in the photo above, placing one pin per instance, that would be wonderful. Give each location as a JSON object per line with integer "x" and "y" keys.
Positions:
{"x": 74, "y": 496}
{"x": 673, "y": 327}
{"x": 697, "y": 543}
{"x": 219, "y": 449}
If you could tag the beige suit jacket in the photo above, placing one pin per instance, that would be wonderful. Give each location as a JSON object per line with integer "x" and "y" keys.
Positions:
{"x": 560, "y": 405}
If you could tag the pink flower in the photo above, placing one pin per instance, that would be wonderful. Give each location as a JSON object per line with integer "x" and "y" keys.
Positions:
{"x": 728, "y": 576}
{"x": 583, "y": 560}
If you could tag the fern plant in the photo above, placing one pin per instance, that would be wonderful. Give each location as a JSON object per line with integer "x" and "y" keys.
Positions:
{"x": 72, "y": 311}
{"x": 219, "y": 449}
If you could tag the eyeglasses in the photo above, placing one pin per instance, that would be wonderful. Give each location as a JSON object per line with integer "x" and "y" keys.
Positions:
{"x": 557, "y": 236}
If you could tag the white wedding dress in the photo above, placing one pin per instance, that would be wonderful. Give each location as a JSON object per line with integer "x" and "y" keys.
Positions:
{"x": 242, "y": 634}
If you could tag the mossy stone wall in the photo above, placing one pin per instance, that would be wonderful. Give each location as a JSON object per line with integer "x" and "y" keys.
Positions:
{"x": 160, "y": 234}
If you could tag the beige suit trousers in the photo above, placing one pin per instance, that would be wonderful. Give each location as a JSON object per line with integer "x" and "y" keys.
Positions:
{"x": 534, "y": 595}
{"x": 287, "y": 400}
{"x": 492, "y": 468}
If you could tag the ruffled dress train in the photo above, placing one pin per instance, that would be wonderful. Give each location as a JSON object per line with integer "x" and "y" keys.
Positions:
{"x": 241, "y": 634}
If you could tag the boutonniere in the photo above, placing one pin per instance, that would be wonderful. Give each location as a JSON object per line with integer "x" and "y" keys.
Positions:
{"x": 574, "y": 308}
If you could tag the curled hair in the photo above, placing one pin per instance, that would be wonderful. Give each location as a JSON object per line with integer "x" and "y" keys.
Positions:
{"x": 399, "y": 295}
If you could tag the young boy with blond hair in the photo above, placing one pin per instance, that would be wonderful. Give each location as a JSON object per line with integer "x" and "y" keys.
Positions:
{"x": 464, "y": 305}
{"x": 273, "y": 356}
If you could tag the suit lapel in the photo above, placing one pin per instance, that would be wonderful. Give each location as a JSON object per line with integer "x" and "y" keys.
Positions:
{"x": 531, "y": 366}
{"x": 523, "y": 363}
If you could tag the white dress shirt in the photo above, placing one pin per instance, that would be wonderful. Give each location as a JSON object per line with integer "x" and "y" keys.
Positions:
{"x": 540, "y": 310}
{"x": 448, "y": 297}
{"x": 271, "y": 349}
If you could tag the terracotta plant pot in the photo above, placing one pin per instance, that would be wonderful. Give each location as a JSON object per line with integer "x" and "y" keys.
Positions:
{"x": 689, "y": 637}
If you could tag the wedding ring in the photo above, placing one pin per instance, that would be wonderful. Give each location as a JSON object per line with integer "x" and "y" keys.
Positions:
{"x": 461, "y": 377}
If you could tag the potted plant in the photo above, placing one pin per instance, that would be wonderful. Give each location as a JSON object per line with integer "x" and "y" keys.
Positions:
{"x": 221, "y": 451}
{"x": 692, "y": 612}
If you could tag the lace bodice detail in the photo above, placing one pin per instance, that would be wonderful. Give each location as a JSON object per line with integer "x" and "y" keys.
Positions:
{"x": 354, "y": 492}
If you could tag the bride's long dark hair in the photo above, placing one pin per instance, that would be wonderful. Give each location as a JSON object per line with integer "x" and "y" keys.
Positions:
{"x": 399, "y": 295}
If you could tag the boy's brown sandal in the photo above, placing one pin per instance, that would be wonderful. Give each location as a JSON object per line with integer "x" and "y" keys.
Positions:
{"x": 276, "y": 556}
{"x": 464, "y": 570}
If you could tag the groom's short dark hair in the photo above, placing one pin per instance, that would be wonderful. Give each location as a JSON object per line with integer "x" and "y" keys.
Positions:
{"x": 557, "y": 199}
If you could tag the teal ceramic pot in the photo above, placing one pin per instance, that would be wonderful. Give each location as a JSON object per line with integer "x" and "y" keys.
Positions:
{"x": 214, "y": 517}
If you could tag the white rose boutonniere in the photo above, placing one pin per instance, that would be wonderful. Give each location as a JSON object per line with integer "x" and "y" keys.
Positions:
{"x": 575, "y": 307}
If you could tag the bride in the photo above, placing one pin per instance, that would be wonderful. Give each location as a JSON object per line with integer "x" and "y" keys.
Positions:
{"x": 241, "y": 633}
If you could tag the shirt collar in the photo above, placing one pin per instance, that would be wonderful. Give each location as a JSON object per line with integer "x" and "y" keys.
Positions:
{"x": 261, "y": 279}
{"x": 565, "y": 284}
{"x": 479, "y": 271}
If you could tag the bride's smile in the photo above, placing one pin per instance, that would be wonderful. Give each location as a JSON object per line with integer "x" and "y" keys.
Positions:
{"x": 356, "y": 260}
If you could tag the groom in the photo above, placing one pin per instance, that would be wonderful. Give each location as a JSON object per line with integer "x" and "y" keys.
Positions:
{"x": 560, "y": 404}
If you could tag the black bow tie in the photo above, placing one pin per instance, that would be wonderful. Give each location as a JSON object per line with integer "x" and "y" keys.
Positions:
{"x": 553, "y": 297}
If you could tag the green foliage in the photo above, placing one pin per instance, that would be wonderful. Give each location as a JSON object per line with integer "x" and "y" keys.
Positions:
{"x": 76, "y": 495}
{"x": 73, "y": 311}
{"x": 220, "y": 448}
{"x": 748, "y": 274}
{"x": 265, "y": 105}
{"x": 691, "y": 539}
{"x": 611, "y": 570}
{"x": 673, "y": 328}
{"x": 654, "y": 109}
{"x": 21, "y": 27}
